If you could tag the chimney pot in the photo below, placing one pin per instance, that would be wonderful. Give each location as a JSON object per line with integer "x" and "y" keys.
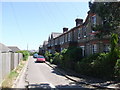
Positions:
{"x": 65, "y": 29}
{"x": 79, "y": 22}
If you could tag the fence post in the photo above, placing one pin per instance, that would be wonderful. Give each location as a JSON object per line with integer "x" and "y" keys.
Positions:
{"x": 0, "y": 67}
{"x": 12, "y": 61}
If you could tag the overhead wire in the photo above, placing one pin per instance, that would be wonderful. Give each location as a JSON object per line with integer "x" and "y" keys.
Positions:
{"x": 17, "y": 23}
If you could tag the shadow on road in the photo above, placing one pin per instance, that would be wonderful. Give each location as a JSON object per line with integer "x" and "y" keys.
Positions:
{"x": 56, "y": 72}
{"x": 47, "y": 86}
{"x": 38, "y": 62}
{"x": 82, "y": 78}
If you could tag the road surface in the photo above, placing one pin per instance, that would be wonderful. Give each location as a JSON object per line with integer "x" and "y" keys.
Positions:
{"x": 40, "y": 75}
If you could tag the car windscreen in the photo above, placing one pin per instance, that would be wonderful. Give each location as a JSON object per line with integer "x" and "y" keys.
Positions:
{"x": 40, "y": 57}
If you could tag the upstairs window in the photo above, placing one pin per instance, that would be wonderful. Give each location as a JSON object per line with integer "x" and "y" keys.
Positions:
{"x": 69, "y": 36}
{"x": 94, "y": 20}
{"x": 66, "y": 38}
{"x": 84, "y": 31}
{"x": 62, "y": 39}
{"x": 79, "y": 36}
{"x": 55, "y": 41}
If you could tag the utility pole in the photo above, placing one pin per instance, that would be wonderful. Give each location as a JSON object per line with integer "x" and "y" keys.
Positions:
{"x": 27, "y": 46}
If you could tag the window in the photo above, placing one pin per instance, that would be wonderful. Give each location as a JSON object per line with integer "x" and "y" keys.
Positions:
{"x": 69, "y": 36}
{"x": 84, "y": 31}
{"x": 85, "y": 34}
{"x": 94, "y": 48}
{"x": 79, "y": 33}
{"x": 66, "y": 38}
{"x": 94, "y": 20}
{"x": 62, "y": 39}
{"x": 83, "y": 50}
{"x": 52, "y": 43}
{"x": 106, "y": 48}
{"x": 55, "y": 41}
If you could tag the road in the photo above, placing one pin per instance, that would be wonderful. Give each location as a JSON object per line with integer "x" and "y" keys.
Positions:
{"x": 43, "y": 76}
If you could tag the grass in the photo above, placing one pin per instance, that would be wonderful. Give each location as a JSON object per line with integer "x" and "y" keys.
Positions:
{"x": 9, "y": 80}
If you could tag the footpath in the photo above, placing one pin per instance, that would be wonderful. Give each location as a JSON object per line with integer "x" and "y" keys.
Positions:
{"x": 95, "y": 82}
{"x": 20, "y": 80}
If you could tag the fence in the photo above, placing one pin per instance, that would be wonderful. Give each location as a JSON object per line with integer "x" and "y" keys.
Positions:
{"x": 8, "y": 62}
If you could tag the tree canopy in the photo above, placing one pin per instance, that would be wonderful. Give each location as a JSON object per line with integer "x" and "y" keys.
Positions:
{"x": 110, "y": 15}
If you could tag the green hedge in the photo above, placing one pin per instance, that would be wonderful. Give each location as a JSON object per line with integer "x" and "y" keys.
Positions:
{"x": 25, "y": 54}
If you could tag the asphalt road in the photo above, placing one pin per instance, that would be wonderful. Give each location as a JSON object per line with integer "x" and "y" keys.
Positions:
{"x": 40, "y": 75}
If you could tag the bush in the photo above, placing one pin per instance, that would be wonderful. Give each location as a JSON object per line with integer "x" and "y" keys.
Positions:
{"x": 32, "y": 53}
{"x": 71, "y": 56}
{"x": 84, "y": 66}
{"x": 56, "y": 58}
{"x": 48, "y": 56}
{"x": 25, "y": 54}
{"x": 117, "y": 69}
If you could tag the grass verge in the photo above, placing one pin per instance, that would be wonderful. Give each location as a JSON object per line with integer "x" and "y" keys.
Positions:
{"x": 9, "y": 80}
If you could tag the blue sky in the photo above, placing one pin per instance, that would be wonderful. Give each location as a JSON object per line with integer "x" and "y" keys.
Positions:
{"x": 32, "y": 22}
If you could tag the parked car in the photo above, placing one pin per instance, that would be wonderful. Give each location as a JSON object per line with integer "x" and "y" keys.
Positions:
{"x": 40, "y": 59}
{"x": 35, "y": 55}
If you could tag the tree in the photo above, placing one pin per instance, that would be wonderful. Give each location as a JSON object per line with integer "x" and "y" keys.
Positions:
{"x": 110, "y": 15}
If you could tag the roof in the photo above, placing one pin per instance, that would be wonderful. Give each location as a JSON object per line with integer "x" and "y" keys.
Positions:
{"x": 4, "y": 48}
{"x": 45, "y": 42}
{"x": 14, "y": 48}
{"x": 74, "y": 28}
{"x": 54, "y": 34}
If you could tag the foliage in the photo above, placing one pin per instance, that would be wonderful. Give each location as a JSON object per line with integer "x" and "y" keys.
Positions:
{"x": 25, "y": 54}
{"x": 48, "y": 55}
{"x": 102, "y": 66}
{"x": 32, "y": 53}
{"x": 71, "y": 56}
{"x": 109, "y": 13}
{"x": 84, "y": 66}
{"x": 58, "y": 58}
{"x": 117, "y": 69}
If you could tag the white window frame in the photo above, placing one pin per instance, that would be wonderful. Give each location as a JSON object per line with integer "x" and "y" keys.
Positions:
{"x": 79, "y": 34}
{"x": 65, "y": 37}
{"x": 94, "y": 48}
{"x": 69, "y": 36}
{"x": 55, "y": 41}
{"x": 94, "y": 20}
{"x": 83, "y": 50}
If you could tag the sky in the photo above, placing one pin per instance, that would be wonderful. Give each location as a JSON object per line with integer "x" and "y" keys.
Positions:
{"x": 30, "y": 23}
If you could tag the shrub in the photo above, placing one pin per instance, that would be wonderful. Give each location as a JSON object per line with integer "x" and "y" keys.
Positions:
{"x": 56, "y": 58}
{"x": 71, "y": 56}
{"x": 51, "y": 60}
{"x": 117, "y": 69}
{"x": 25, "y": 54}
{"x": 84, "y": 66}
{"x": 48, "y": 55}
{"x": 32, "y": 53}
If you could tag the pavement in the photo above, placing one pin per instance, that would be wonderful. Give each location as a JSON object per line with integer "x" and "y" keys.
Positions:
{"x": 20, "y": 80}
{"x": 95, "y": 82}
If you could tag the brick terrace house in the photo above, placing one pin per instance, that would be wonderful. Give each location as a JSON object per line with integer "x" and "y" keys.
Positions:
{"x": 86, "y": 36}
{"x": 51, "y": 42}
{"x": 81, "y": 35}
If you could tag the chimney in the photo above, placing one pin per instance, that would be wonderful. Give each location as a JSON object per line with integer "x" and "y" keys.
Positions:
{"x": 65, "y": 29}
{"x": 79, "y": 22}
